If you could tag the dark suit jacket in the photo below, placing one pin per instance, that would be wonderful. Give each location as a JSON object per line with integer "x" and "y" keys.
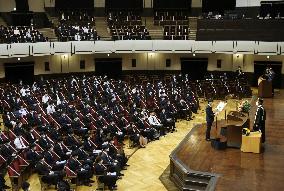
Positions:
{"x": 32, "y": 156}
{"x": 42, "y": 169}
{"x": 44, "y": 143}
{"x": 209, "y": 114}
{"x": 73, "y": 165}
{"x": 30, "y": 138}
{"x": 260, "y": 118}
{"x": 60, "y": 152}
{"x": 49, "y": 158}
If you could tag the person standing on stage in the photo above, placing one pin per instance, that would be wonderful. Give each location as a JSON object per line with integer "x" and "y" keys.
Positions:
{"x": 270, "y": 75}
{"x": 209, "y": 119}
{"x": 259, "y": 119}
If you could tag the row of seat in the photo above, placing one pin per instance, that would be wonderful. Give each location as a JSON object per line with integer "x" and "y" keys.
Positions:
{"x": 20, "y": 34}
{"x": 127, "y": 26}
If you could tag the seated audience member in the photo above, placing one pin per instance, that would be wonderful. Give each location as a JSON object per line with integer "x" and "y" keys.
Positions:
{"x": 167, "y": 121}
{"x": 19, "y": 143}
{"x": 48, "y": 176}
{"x": 104, "y": 175}
{"x": 84, "y": 173}
{"x": 153, "y": 120}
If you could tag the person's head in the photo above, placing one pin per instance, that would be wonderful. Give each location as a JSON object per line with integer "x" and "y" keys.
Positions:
{"x": 210, "y": 101}
{"x": 259, "y": 102}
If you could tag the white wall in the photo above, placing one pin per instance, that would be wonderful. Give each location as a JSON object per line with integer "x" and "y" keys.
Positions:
{"x": 155, "y": 61}
{"x": 2, "y": 70}
{"x": 7, "y": 5}
{"x": 49, "y": 3}
{"x": 196, "y": 3}
{"x": 99, "y": 3}
{"x": 36, "y": 5}
{"x": 148, "y": 3}
{"x": 250, "y": 3}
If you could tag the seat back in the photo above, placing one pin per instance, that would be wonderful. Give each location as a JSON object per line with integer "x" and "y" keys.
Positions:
{"x": 69, "y": 173}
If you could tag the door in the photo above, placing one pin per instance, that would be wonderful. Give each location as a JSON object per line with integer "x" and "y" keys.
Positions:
{"x": 22, "y": 71}
{"x": 112, "y": 67}
{"x": 195, "y": 67}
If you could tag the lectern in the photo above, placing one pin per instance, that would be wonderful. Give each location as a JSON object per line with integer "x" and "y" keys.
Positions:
{"x": 265, "y": 88}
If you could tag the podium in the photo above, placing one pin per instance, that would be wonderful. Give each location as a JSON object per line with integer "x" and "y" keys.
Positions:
{"x": 265, "y": 88}
{"x": 251, "y": 143}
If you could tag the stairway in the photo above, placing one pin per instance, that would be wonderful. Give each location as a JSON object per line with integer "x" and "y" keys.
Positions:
{"x": 195, "y": 182}
{"x": 2, "y": 22}
{"x": 53, "y": 20}
{"x": 156, "y": 32}
{"x": 192, "y": 22}
{"x": 48, "y": 32}
{"x": 102, "y": 28}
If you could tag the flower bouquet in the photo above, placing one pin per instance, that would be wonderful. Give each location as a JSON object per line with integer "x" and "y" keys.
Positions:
{"x": 244, "y": 106}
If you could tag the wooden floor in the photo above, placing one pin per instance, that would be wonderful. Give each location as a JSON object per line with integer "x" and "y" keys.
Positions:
{"x": 239, "y": 171}
{"x": 243, "y": 171}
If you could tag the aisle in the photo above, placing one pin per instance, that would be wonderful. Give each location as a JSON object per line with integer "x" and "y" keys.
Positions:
{"x": 147, "y": 165}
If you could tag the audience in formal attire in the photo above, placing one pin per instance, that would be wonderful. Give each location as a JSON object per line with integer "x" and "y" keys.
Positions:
{"x": 20, "y": 34}
{"x": 80, "y": 123}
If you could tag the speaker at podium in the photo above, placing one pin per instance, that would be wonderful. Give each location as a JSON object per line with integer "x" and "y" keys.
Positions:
{"x": 264, "y": 87}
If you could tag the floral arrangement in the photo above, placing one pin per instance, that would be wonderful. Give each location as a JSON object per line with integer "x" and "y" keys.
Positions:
{"x": 244, "y": 106}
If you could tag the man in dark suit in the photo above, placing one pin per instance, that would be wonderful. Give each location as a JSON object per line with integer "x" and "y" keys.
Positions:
{"x": 105, "y": 176}
{"x": 32, "y": 155}
{"x": 61, "y": 150}
{"x": 167, "y": 121}
{"x": 44, "y": 142}
{"x": 259, "y": 120}
{"x": 209, "y": 119}
{"x": 84, "y": 172}
{"x": 48, "y": 176}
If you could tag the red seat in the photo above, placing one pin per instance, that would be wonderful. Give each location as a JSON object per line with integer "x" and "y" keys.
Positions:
{"x": 11, "y": 135}
{"x": 12, "y": 172}
{"x": 16, "y": 165}
{"x": 69, "y": 173}
{"x": 22, "y": 161}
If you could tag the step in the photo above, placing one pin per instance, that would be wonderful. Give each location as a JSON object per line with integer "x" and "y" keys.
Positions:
{"x": 193, "y": 188}
{"x": 194, "y": 182}
{"x": 201, "y": 176}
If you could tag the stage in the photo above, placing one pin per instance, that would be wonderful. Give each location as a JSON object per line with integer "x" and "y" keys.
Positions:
{"x": 233, "y": 170}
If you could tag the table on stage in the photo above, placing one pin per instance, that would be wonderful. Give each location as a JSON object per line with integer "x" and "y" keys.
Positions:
{"x": 251, "y": 143}
{"x": 229, "y": 129}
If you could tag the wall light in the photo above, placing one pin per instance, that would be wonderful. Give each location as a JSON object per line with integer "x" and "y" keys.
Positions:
{"x": 19, "y": 59}
{"x": 193, "y": 54}
{"x": 107, "y": 54}
{"x": 15, "y": 8}
{"x": 267, "y": 57}
{"x": 64, "y": 56}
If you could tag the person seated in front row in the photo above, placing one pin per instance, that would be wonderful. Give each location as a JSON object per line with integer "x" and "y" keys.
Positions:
{"x": 104, "y": 175}
{"x": 153, "y": 120}
{"x": 167, "y": 121}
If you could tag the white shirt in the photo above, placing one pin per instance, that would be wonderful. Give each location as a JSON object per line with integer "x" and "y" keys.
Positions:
{"x": 19, "y": 143}
{"x": 23, "y": 92}
{"x": 50, "y": 109}
{"x": 23, "y": 111}
{"x": 77, "y": 37}
{"x": 153, "y": 120}
{"x": 45, "y": 98}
